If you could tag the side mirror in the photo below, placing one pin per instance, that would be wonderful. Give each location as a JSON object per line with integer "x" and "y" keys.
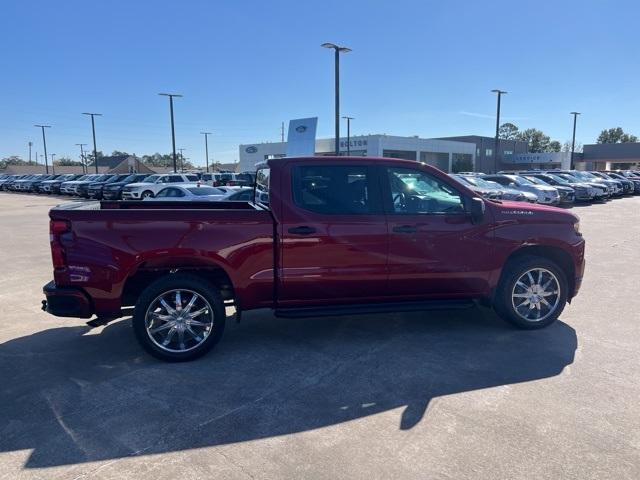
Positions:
{"x": 476, "y": 210}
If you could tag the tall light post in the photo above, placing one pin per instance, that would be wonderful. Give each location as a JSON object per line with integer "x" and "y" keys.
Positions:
{"x": 30, "y": 145}
{"x": 173, "y": 130}
{"x": 497, "y": 139}
{"x": 206, "y": 147}
{"x": 44, "y": 142}
{"x": 84, "y": 166}
{"x": 182, "y": 159}
{"x": 93, "y": 128}
{"x": 573, "y": 139}
{"x": 348, "y": 119}
{"x": 337, "y": 50}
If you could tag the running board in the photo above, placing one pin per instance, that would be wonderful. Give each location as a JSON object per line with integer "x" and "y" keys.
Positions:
{"x": 366, "y": 308}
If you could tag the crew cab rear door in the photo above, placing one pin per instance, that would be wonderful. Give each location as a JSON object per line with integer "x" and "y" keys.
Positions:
{"x": 435, "y": 251}
{"x": 333, "y": 234}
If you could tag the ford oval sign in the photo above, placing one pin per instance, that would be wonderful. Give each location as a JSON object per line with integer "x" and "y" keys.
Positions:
{"x": 251, "y": 149}
{"x": 301, "y": 129}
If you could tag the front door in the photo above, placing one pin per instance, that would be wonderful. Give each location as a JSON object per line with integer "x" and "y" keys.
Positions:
{"x": 435, "y": 251}
{"x": 333, "y": 235}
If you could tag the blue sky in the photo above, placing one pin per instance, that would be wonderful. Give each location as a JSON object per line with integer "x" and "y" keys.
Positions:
{"x": 417, "y": 68}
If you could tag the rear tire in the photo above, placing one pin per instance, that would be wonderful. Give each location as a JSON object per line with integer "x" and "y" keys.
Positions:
{"x": 532, "y": 292}
{"x": 179, "y": 317}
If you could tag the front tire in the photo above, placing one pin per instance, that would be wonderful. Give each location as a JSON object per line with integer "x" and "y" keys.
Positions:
{"x": 532, "y": 292}
{"x": 146, "y": 194}
{"x": 179, "y": 317}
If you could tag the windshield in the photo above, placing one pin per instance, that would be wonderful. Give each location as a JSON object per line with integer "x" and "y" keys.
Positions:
{"x": 585, "y": 175}
{"x": 153, "y": 178}
{"x": 201, "y": 191}
{"x": 557, "y": 178}
{"x": 519, "y": 180}
{"x": 568, "y": 178}
{"x": 479, "y": 182}
{"x": 537, "y": 181}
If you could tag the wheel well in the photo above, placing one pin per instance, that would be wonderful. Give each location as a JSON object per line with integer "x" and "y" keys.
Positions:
{"x": 556, "y": 255}
{"x": 136, "y": 283}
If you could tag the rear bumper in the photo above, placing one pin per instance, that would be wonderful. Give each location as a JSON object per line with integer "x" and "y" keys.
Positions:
{"x": 66, "y": 301}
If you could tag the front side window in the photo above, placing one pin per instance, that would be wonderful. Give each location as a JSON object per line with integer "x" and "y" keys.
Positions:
{"x": 416, "y": 192}
{"x": 332, "y": 189}
{"x": 192, "y": 178}
{"x": 175, "y": 178}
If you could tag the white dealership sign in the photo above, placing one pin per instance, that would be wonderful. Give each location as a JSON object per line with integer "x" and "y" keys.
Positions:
{"x": 301, "y": 140}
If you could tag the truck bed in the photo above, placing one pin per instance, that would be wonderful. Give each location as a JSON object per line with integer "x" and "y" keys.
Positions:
{"x": 110, "y": 241}
{"x": 158, "y": 205}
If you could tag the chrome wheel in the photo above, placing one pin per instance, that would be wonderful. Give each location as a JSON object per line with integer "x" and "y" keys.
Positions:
{"x": 179, "y": 320}
{"x": 536, "y": 295}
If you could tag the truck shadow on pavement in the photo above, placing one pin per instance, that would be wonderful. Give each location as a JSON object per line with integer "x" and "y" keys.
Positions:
{"x": 71, "y": 395}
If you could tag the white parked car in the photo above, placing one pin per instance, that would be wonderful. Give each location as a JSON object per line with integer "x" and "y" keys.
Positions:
{"x": 187, "y": 192}
{"x": 154, "y": 183}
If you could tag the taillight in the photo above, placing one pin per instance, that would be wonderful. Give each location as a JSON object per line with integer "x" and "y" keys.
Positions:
{"x": 56, "y": 229}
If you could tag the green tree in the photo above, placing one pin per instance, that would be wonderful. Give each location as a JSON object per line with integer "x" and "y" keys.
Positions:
{"x": 118, "y": 153}
{"x": 566, "y": 147}
{"x": 554, "y": 146}
{"x": 616, "y": 135}
{"x": 536, "y": 139}
{"x": 89, "y": 157}
{"x": 508, "y": 131}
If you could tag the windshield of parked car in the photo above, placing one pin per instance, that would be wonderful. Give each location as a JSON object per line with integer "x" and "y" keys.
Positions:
{"x": 536, "y": 180}
{"x": 202, "y": 191}
{"x": 519, "y": 180}
{"x": 153, "y": 178}
{"x": 585, "y": 175}
{"x": 479, "y": 182}
{"x": 568, "y": 178}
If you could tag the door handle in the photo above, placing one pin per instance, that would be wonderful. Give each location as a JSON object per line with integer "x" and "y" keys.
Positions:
{"x": 405, "y": 229}
{"x": 304, "y": 230}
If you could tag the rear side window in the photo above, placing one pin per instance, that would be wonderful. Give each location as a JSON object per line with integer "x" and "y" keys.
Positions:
{"x": 175, "y": 178}
{"x": 332, "y": 189}
{"x": 192, "y": 178}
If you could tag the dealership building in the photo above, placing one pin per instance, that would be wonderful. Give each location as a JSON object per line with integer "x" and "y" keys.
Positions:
{"x": 458, "y": 153}
{"x": 447, "y": 155}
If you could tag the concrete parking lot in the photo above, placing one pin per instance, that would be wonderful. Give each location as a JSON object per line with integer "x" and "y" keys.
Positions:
{"x": 457, "y": 395}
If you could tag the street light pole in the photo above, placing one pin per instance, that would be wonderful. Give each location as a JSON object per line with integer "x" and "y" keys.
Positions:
{"x": 206, "y": 147}
{"x": 93, "y": 128}
{"x": 573, "y": 139}
{"x": 84, "y": 166}
{"x": 182, "y": 159}
{"x": 173, "y": 130}
{"x": 30, "y": 145}
{"x": 348, "y": 119}
{"x": 497, "y": 139}
{"x": 337, "y": 50}
{"x": 44, "y": 142}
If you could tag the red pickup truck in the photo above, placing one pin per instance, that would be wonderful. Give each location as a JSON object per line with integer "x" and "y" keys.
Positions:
{"x": 324, "y": 236}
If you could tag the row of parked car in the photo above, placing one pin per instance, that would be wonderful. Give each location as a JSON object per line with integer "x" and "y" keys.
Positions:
{"x": 552, "y": 187}
{"x": 128, "y": 186}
